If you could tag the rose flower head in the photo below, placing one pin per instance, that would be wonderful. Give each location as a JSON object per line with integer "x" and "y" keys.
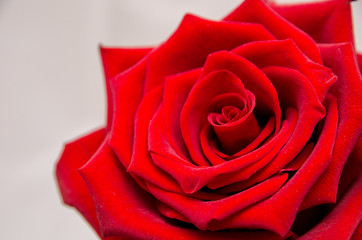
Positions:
{"x": 244, "y": 128}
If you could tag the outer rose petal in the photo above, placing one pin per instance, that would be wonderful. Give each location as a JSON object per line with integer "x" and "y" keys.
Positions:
{"x": 141, "y": 163}
{"x": 173, "y": 103}
{"x": 324, "y": 21}
{"x": 201, "y": 213}
{"x": 259, "y": 12}
{"x": 72, "y": 187}
{"x": 71, "y": 184}
{"x": 341, "y": 59}
{"x": 125, "y": 86}
{"x": 193, "y": 41}
{"x": 343, "y": 220}
{"x": 352, "y": 169}
{"x": 126, "y": 210}
{"x": 286, "y": 54}
{"x": 115, "y": 61}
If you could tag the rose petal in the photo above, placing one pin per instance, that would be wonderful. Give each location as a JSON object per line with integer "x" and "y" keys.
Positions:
{"x": 247, "y": 169}
{"x": 253, "y": 79}
{"x": 302, "y": 97}
{"x": 217, "y": 157}
{"x": 239, "y": 131}
{"x": 125, "y": 86}
{"x": 341, "y": 59}
{"x": 193, "y": 41}
{"x": 105, "y": 168}
{"x": 286, "y": 54}
{"x": 176, "y": 91}
{"x": 115, "y": 61}
{"x": 170, "y": 212}
{"x": 358, "y": 233}
{"x": 241, "y": 185}
{"x": 201, "y": 213}
{"x": 282, "y": 207}
{"x": 141, "y": 163}
{"x": 214, "y": 84}
{"x": 192, "y": 178}
{"x": 325, "y": 22}
{"x": 126, "y": 211}
{"x": 158, "y": 143}
{"x": 257, "y": 11}
{"x": 343, "y": 221}
{"x": 300, "y": 159}
{"x": 72, "y": 187}
{"x": 170, "y": 58}
{"x": 351, "y": 170}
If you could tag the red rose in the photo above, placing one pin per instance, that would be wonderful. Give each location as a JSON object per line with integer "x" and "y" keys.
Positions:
{"x": 246, "y": 128}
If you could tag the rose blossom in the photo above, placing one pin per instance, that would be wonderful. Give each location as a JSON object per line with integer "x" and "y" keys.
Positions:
{"x": 245, "y": 128}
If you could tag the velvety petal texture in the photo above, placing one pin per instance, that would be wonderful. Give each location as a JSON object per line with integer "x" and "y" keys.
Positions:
{"x": 325, "y": 21}
{"x": 72, "y": 187}
{"x": 244, "y": 128}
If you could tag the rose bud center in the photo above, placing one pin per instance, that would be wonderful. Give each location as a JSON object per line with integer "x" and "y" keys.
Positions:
{"x": 233, "y": 121}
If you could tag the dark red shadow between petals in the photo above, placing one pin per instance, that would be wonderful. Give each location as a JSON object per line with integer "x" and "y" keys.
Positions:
{"x": 344, "y": 220}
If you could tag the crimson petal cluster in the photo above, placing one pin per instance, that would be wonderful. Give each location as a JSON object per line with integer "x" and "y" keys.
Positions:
{"x": 232, "y": 129}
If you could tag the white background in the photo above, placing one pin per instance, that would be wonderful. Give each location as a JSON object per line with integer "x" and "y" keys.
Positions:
{"x": 51, "y": 91}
